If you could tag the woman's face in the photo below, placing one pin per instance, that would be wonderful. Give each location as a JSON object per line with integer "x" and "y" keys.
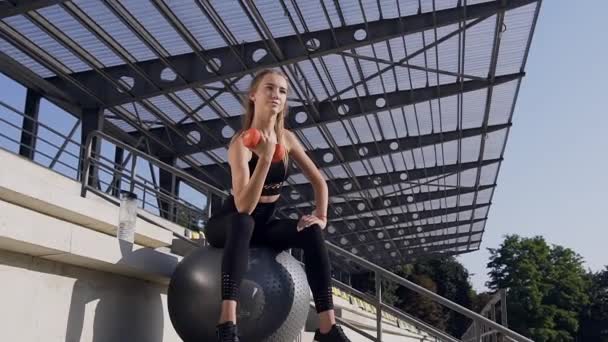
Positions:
{"x": 270, "y": 95}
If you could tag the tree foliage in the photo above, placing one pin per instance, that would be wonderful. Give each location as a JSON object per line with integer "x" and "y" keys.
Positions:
{"x": 547, "y": 287}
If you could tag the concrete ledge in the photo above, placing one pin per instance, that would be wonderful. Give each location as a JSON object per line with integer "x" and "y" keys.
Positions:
{"x": 32, "y": 186}
{"x": 29, "y": 232}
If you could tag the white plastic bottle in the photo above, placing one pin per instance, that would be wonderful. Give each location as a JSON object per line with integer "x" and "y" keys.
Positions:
{"x": 127, "y": 216}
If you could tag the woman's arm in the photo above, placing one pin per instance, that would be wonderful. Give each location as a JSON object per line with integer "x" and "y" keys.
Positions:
{"x": 247, "y": 190}
{"x": 312, "y": 173}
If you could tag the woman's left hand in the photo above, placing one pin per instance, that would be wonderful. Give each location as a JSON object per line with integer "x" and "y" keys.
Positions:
{"x": 309, "y": 220}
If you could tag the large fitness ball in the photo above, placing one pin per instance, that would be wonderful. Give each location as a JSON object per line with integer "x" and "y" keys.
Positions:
{"x": 273, "y": 302}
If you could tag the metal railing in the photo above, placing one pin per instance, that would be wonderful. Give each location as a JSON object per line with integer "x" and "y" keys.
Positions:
{"x": 484, "y": 333}
{"x": 123, "y": 175}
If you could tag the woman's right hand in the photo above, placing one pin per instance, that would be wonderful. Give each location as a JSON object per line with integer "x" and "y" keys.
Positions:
{"x": 265, "y": 148}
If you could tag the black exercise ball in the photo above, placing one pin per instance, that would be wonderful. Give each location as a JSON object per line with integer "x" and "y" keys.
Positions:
{"x": 273, "y": 302}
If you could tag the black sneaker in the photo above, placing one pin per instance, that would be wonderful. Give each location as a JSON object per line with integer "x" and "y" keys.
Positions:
{"x": 227, "y": 332}
{"x": 334, "y": 335}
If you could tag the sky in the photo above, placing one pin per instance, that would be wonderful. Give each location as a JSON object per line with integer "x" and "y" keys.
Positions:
{"x": 553, "y": 181}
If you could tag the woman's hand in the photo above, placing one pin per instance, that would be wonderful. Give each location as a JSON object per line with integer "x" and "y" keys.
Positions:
{"x": 265, "y": 148}
{"x": 309, "y": 220}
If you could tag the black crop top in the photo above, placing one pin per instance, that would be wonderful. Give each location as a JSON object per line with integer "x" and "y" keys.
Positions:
{"x": 277, "y": 174}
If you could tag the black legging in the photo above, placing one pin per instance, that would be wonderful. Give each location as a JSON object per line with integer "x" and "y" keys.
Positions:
{"x": 235, "y": 232}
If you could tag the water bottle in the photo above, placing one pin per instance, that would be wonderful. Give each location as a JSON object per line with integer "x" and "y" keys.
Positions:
{"x": 127, "y": 216}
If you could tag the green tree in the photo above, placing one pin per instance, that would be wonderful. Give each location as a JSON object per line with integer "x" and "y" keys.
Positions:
{"x": 594, "y": 316}
{"x": 546, "y": 287}
{"x": 419, "y": 306}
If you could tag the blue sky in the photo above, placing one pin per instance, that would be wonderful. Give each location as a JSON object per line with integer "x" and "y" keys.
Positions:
{"x": 553, "y": 181}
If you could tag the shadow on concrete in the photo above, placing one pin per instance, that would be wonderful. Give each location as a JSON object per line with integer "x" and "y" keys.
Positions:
{"x": 135, "y": 313}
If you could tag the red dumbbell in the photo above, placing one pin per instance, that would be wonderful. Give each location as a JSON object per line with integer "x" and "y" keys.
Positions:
{"x": 251, "y": 138}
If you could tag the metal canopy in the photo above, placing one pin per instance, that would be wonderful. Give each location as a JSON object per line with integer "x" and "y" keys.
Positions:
{"x": 405, "y": 106}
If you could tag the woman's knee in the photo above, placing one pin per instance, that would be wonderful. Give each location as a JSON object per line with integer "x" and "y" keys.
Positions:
{"x": 313, "y": 236}
{"x": 221, "y": 229}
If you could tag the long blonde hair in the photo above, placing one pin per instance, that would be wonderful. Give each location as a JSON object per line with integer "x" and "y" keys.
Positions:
{"x": 279, "y": 125}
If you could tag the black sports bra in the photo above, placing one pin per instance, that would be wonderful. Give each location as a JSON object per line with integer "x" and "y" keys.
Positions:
{"x": 277, "y": 174}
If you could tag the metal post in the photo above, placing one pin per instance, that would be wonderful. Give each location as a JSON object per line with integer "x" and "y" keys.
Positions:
{"x": 378, "y": 306}
{"x": 29, "y": 130}
{"x": 132, "y": 184}
{"x": 116, "y": 182}
{"x": 92, "y": 120}
{"x": 477, "y": 326}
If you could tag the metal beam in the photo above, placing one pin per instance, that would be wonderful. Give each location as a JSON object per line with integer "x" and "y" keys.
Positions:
{"x": 409, "y": 242}
{"x": 302, "y": 193}
{"x": 375, "y": 149}
{"x": 238, "y": 60}
{"x": 399, "y": 232}
{"x": 380, "y": 255}
{"x": 29, "y": 131}
{"x": 7, "y": 9}
{"x": 360, "y": 207}
{"x": 389, "y": 262}
{"x": 332, "y": 111}
{"x": 387, "y": 220}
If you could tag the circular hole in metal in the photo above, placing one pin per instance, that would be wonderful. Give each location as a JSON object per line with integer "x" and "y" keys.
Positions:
{"x": 394, "y": 219}
{"x": 362, "y": 237}
{"x": 301, "y": 117}
{"x": 371, "y": 222}
{"x": 410, "y": 252}
{"x": 403, "y": 176}
{"x": 343, "y": 240}
{"x": 168, "y": 75}
{"x": 387, "y": 245}
{"x": 405, "y": 243}
{"x": 423, "y": 240}
{"x": 426, "y": 249}
{"x": 354, "y": 250}
{"x": 410, "y": 199}
{"x": 227, "y": 132}
{"x": 380, "y": 102}
{"x": 360, "y": 34}
{"x": 328, "y": 157}
{"x": 387, "y": 202}
{"x": 393, "y": 146}
{"x": 194, "y": 137}
{"x": 294, "y": 195}
{"x": 377, "y": 180}
{"x": 338, "y": 209}
{"x": 380, "y": 235}
{"x": 400, "y": 232}
{"x": 258, "y": 54}
{"x": 363, "y": 151}
{"x": 370, "y": 248}
{"x": 331, "y": 229}
{"x": 312, "y": 44}
{"x": 418, "y": 229}
{"x": 393, "y": 254}
{"x": 343, "y": 109}
{"x": 347, "y": 185}
{"x": 360, "y": 206}
{"x": 350, "y": 226}
{"x": 210, "y": 67}
{"x": 414, "y": 216}
{"x": 127, "y": 82}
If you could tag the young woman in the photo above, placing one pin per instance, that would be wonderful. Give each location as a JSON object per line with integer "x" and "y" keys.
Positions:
{"x": 247, "y": 216}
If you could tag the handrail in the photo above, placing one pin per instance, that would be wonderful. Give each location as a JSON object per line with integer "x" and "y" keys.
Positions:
{"x": 421, "y": 290}
{"x": 197, "y": 183}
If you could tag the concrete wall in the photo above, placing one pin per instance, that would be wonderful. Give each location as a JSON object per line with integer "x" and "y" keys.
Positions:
{"x": 43, "y": 300}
